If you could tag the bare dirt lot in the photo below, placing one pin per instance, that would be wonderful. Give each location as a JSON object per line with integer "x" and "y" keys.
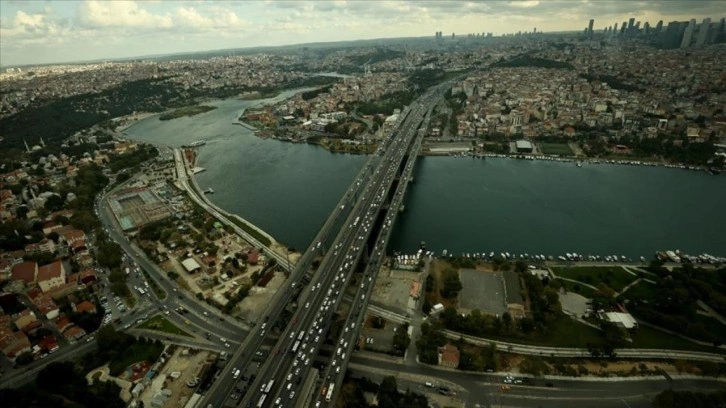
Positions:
{"x": 188, "y": 365}
{"x": 392, "y": 288}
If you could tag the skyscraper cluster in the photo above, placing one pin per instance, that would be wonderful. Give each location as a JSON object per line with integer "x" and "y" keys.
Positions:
{"x": 676, "y": 34}
{"x": 439, "y": 35}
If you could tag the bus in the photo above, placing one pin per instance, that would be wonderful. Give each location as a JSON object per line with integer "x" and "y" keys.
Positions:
{"x": 262, "y": 401}
{"x": 141, "y": 291}
{"x": 295, "y": 347}
{"x": 269, "y": 386}
{"x": 329, "y": 395}
{"x": 301, "y": 335}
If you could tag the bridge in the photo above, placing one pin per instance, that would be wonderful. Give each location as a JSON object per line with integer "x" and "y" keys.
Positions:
{"x": 300, "y": 315}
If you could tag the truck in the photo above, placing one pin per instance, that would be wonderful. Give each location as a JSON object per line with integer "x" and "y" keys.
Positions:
{"x": 437, "y": 308}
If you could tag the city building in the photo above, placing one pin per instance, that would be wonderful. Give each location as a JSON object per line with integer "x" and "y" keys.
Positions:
{"x": 703, "y": 32}
{"x": 524, "y": 146}
{"x": 449, "y": 356}
{"x": 26, "y": 272}
{"x": 688, "y": 34}
{"x": 51, "y": 276}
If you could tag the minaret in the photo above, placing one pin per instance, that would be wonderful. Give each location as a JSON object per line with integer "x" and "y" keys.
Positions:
{"x": 27, "y": 149}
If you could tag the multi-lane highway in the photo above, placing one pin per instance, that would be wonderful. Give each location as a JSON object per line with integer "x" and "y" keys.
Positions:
{"x": 229, "y": 385}
{"x": 278, "y": 382}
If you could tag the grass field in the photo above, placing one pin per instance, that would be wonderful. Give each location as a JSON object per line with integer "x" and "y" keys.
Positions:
{"x": 577, "y": 288}
{"x": 561, "y": 149}
{"x": 160, "y": 323}
{"x": 643, "y": 291}
{"x": 648, "y": 337}
{"x": 564, "y": 332}
{"x": 613, "y": 276}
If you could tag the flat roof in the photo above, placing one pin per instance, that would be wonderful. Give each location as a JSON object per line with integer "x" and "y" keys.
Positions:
{"x": 190, "y": 264}
{"x": 524, "y": 144}
{"x": 624, "y": 319}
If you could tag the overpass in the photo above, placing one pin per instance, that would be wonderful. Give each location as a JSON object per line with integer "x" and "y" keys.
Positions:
{"x": 361, "y": 241}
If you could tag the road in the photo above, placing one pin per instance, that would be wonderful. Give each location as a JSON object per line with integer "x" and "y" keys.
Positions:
{"x": 279, "y": 379}
{"x": 484, "y": 389}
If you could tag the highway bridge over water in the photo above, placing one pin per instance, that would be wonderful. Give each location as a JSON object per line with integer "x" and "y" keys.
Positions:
{"x": 299, "y": 318}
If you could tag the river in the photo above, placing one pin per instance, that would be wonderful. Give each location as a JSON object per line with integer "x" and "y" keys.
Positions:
{"x": 459, "y": 204}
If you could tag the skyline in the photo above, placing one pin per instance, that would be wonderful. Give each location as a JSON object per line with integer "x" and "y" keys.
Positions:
{"x": 48, "y": 32}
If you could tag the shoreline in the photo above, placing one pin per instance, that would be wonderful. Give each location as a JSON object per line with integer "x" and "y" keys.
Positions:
{"x": 468, "y": 154}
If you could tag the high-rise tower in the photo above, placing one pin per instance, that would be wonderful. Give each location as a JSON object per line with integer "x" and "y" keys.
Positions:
{"x": 688, "y": 35}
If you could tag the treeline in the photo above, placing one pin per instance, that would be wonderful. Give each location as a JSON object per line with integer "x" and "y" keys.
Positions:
{"x": 613, "y": 82}
{"x": 387, "y": 104}
{"x": 388, "y": 396}
{"x": 306, "y": 96}
{"x": 379, "y": 55}
{"x": 133, "y": 158}
{"x": 63, "y": 385}
{"x": 61, "y": 118}
{"x": 673, "y": 306}
{"x": 690, "y": 399}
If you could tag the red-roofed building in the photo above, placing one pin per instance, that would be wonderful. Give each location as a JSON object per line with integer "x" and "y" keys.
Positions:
{"x": 51, "y": 276}
{"x": 449, "y": 356}
{"x": 74, "y": 333}
{"x": 25, "y": 271}
{"x": 47, "y": 306}
{"x": 78, "y": 246}
{"x": 13, "y": 344}
{"x": 71, "y": 236}
{"x": 85, "y": 307}
{"x": 48, "y": 344}
{"x": 50, "y": 226}
{"x": 253, "y": 257}
{"x": 62, "y": 322}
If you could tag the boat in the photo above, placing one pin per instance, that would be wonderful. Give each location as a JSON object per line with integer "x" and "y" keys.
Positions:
{"x": 209, "y": 191}
{"x": 198, "y": 143}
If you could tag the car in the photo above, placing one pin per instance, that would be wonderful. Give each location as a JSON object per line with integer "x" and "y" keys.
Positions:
{"x": 292, "y": 395}
{"x": 289, "y": 377}
{"x": 289, "y": 386}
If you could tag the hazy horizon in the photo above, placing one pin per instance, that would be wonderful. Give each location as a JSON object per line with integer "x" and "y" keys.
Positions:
{"x": 49, "y": 32}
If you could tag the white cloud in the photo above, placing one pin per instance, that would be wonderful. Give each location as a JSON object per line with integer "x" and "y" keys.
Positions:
{"x": 219, "y": 18}
{"x": 97, "y": 14}
{"x": 524, "y": 4}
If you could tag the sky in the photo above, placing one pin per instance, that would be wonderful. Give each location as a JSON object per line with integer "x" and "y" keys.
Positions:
{"x": 40, "y": 32}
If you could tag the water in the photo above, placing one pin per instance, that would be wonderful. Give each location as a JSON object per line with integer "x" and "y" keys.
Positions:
{"x": 505, "y": 205}
{"x": 459, "y": 204}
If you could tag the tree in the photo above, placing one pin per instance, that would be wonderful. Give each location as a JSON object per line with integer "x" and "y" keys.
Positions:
{"x": 25, "y": 358}
{"x": 451, "y": 284}
{"x": 401, "y": 340}
{"x": 54, "y": 203}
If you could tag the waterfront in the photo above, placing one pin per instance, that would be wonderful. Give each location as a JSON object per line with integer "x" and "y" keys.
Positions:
{"x": 459, "y": 204}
